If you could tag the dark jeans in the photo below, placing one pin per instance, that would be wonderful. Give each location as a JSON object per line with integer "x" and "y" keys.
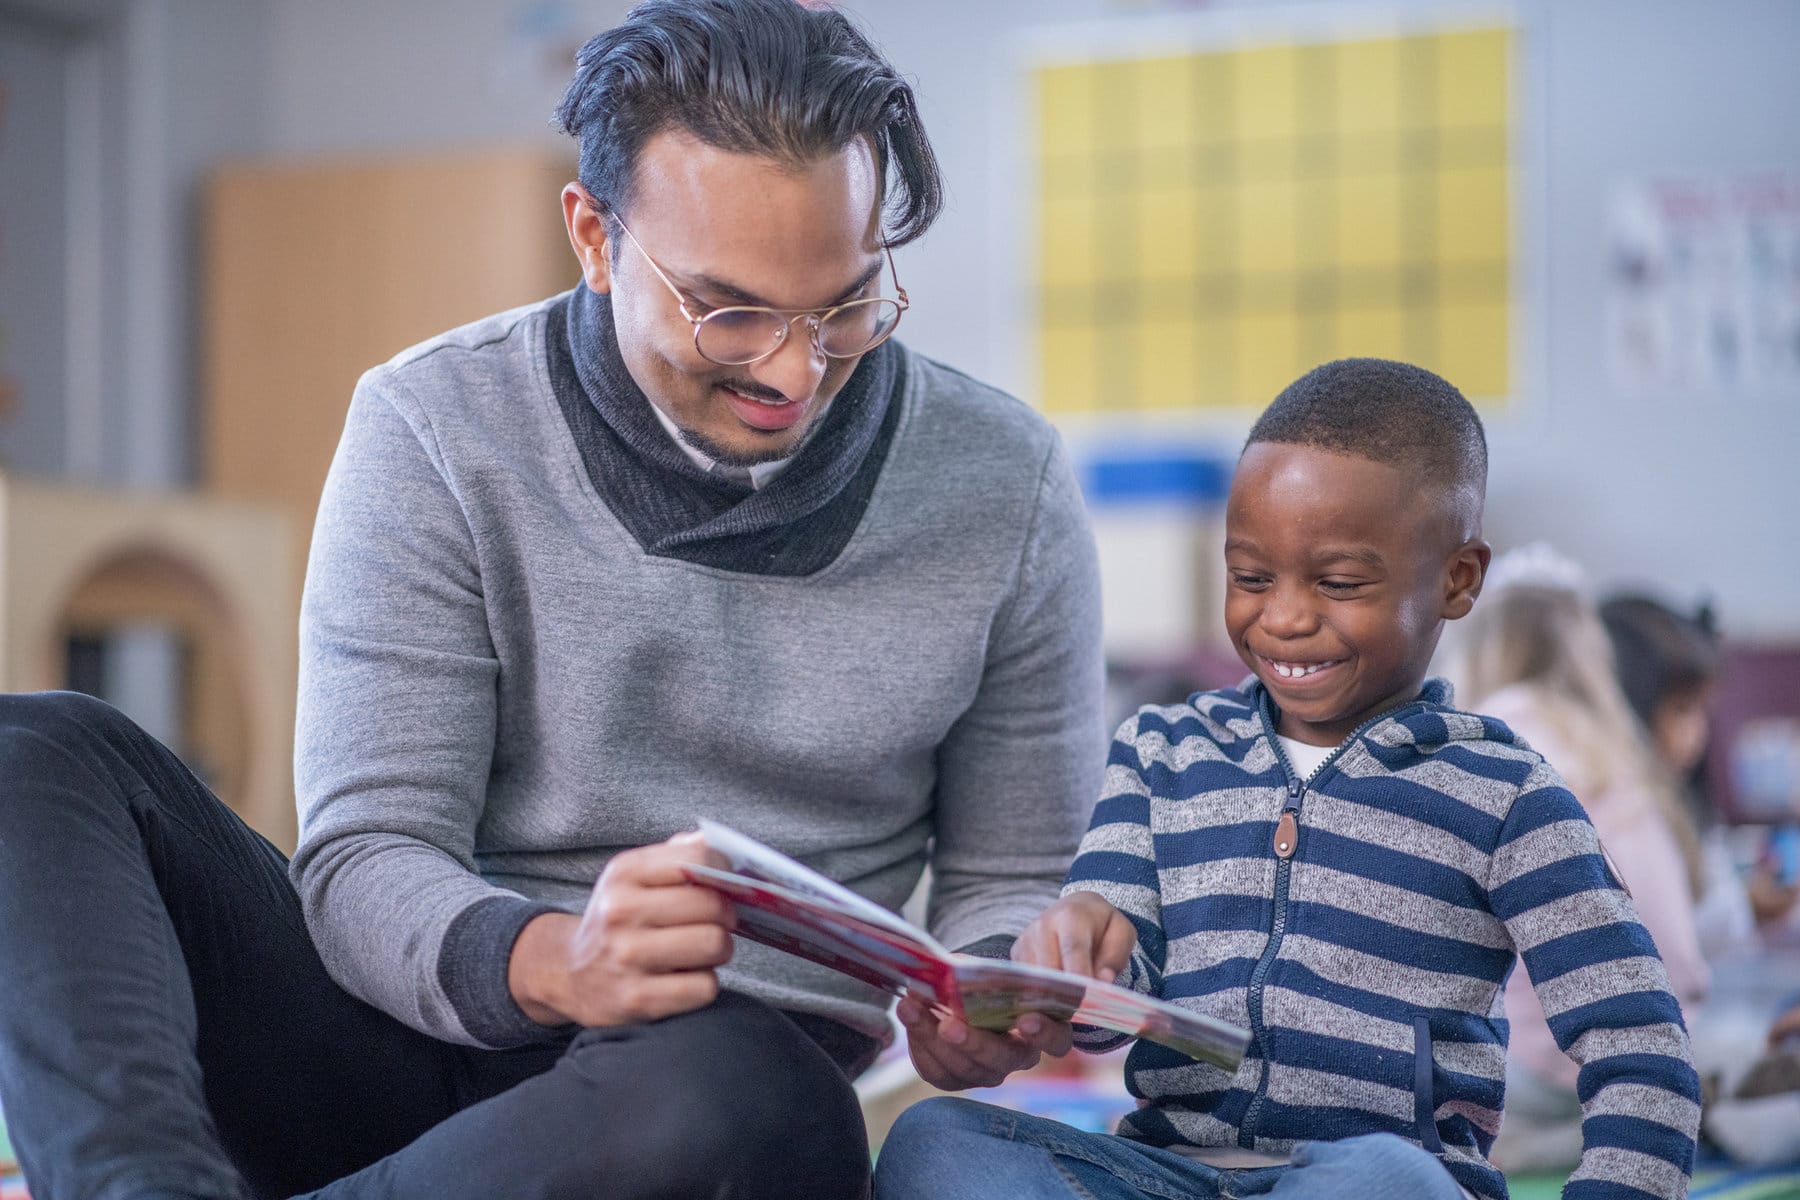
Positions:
{"x": 166, "y": 1027}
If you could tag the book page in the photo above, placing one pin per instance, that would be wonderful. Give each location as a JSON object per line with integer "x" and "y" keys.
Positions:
{"x": 790, "y": 906}
{"x": 996, "y": 994}
{"x": 751, "y": 858}
{"x": 820, "y": 930}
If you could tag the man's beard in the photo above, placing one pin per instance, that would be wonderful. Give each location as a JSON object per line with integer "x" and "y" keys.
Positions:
{"x": 755, "y": 456}
{"x": 730, "y": 456}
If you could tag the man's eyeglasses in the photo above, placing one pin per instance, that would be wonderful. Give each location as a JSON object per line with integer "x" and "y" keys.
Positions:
{"x": 747, "y": 333}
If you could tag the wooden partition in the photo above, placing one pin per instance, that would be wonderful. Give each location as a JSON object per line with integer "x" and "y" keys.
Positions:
{"x": 315, "y": 272}
{"x": 214, "y": 573}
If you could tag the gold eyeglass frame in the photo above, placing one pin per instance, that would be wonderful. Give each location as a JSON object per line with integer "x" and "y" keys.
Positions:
{"x": 818, "y": 316}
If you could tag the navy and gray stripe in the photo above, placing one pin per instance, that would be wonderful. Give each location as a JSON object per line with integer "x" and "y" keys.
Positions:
{"x": 1370, "y": 966}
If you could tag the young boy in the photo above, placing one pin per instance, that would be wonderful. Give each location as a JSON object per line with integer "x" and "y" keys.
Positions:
{"x": 1333, "y": 857}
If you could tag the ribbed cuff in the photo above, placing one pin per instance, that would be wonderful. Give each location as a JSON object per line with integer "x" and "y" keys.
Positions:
{"x": 472, "y": 970}
{"x": 994, "y": 945}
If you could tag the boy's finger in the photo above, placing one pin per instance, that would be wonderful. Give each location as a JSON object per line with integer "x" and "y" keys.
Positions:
{"x": 1045, "y": 1035}
{"x": 955, "y": 1069}
{"x": 997, "y": 1055}
{"x": 929, "y": 1062}
{"x": 953, "y": 1031}
{"x": 1073, "y": 944}
{"x": 1116, "y": 945}
{"x": 1029, "y": 947}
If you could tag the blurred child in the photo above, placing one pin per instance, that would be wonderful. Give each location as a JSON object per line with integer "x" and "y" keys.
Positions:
{"x": 1332, "y": 856}
{"x": 1668, "y": 666}
{"x": 1535, "y": 655}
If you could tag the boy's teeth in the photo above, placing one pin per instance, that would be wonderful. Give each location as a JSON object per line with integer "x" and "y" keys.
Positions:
{"x": 1294, "y": 671}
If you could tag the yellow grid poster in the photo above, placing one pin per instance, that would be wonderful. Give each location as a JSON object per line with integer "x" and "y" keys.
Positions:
{"x": 1212, "y": 224}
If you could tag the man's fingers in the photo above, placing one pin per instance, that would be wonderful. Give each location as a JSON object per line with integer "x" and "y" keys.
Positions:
{"x": 685, "y": 905}
{"x": 659, "y": 865}
{"x": 624, "y": 905}
{"x": 676, "y": 948}
{"x": 650, "y": 997}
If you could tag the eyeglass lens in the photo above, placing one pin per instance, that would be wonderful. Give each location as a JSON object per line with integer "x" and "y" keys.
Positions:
{"x": 741, "y": 335}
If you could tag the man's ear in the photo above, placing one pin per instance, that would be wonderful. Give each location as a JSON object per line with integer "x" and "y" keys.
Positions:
{"x": 587, "y": 237}
{"x": 1467, "y": 568}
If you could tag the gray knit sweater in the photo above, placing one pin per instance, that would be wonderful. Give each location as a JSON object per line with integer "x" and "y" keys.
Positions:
{"x": 499, "y": 689}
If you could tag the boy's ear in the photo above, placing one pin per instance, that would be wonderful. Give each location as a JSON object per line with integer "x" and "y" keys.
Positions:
{"x": 1467, "y": 568}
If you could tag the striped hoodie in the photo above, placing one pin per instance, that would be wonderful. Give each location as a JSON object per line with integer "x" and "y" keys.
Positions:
{"x": 1362, "y": 924}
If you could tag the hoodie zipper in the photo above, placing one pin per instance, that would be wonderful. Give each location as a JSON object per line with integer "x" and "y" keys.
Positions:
{"x": 1284, "y": 843}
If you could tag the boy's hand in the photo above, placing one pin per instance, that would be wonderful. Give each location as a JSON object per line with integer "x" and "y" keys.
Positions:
{"x": 951, "y": 1054}
{"x": 1082, "y": 934}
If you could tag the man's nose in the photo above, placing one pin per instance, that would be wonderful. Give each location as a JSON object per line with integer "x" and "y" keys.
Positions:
{"x": 797, "y": 366}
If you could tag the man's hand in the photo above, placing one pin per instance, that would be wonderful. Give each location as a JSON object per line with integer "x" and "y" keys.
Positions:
{"x": 1082, "y": 934}
{"x": 951, "y": 1054}
{"x": 647, "y": 946}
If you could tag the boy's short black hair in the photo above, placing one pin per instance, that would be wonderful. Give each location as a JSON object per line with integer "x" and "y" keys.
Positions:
{"x": 1390, "y": 412}
{"x": 793, "y": 82}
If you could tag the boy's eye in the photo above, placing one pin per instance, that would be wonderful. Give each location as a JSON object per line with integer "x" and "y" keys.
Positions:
{"x": 1248, "y": 581}
{"x": 1340, "y": 587}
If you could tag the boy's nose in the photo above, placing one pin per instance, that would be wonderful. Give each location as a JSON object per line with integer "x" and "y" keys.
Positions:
{"x": 1287, "y": 614}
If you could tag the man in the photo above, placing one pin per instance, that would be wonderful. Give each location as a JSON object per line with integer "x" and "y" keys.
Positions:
{"x": 695, "y": 539}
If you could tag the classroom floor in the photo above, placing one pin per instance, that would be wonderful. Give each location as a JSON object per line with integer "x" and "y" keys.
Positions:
{"x": 1710, "y": 1183}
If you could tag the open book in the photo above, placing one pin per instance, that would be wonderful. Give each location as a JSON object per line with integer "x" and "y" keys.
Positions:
{"x": 790, "y": 906}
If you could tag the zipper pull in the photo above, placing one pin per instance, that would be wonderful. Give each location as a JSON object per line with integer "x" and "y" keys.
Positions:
{"x": 1287, "y": 833}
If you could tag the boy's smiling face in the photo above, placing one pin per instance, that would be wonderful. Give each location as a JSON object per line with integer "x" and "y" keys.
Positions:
{"x": 1340, "y": 572}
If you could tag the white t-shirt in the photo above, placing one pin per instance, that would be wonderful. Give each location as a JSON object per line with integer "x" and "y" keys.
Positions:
{"x": 1304, "y": 758}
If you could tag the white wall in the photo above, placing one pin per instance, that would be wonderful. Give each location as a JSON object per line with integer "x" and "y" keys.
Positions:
{"x": 1697, "y": 497}
{"x": 155, "y": 92}
{"x": 1700, "y": 496}
{"x": 352, "y": 77}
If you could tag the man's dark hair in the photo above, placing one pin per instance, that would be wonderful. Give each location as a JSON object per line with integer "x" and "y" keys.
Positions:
{"x": 1391, "y": 412}
{"x": 789, "y": 81}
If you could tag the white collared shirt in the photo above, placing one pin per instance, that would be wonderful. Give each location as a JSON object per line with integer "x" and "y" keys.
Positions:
{"x": 760, "y": 474}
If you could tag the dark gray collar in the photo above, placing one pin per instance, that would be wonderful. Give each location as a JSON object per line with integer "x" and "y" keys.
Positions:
{"x": 673, "y": 506}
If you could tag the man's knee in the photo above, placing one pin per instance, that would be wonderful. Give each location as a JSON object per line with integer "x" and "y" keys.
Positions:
{"x": 742, "y": 1096}
{"x": 58, "y": 741}
{"x": 56, "y": 716}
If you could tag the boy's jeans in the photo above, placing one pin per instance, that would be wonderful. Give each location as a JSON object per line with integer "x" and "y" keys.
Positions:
{"x": 950, "y": 1148}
